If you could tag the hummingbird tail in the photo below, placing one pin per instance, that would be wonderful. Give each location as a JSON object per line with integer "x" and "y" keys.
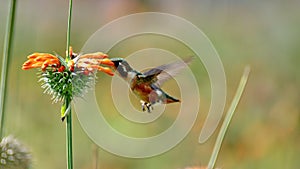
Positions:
{"x": 170, "y": 99}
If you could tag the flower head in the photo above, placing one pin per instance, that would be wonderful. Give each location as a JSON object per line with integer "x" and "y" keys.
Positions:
{"x": 68, "y": 78}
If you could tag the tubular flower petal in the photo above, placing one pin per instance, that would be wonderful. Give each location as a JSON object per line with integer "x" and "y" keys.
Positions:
{"x": 105, "y": 70}
{"x": 90, "y": 63}
{"x": 107, "y": 62}
{"x": 97, "y": 55}
{"x": 41, "y": 60}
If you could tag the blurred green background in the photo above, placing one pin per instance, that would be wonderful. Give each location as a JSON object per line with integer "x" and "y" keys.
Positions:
{"x": 265, "y": 131}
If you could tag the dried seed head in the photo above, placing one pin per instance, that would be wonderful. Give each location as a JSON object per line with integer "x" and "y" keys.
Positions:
{"x": 13, "y": 155}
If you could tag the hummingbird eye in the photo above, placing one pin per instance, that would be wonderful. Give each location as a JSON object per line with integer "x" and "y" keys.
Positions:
{"x": 122, "y": 67}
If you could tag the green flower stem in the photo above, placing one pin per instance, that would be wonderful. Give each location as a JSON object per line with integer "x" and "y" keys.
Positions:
{"x": 68, "y": 99}
{"x": 6, "y": 55}
{"x": 228, "y": 118}
{"x": 69, "y": 30}
{"x": 69, "y": 134}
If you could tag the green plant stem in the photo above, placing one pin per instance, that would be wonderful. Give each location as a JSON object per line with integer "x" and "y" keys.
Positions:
{"x": 68, "y": 99}
{"x": 69, "y": 30}
{"x": 69, "y": 135}
{"x": 228, "y": 118}
{"x": 6, "y": 55}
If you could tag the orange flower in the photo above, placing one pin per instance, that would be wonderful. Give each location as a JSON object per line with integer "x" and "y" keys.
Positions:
{"x": 87, "y": 63}
{"x": 41, "y": 60}
{"x": 92, "y": 61}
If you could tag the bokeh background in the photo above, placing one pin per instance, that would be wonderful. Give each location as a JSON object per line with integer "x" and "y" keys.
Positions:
{"x": 265, "y": 131}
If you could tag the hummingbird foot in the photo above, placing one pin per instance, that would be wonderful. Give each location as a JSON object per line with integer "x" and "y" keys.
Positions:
{"x": 146, "y": 105}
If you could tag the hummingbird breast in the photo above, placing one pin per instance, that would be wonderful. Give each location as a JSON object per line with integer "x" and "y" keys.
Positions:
{"x": 150, "y": 93}
{"x": 144, "y": 92}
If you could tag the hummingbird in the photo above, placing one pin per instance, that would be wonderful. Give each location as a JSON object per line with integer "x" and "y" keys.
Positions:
{"x": 147, "y": 85}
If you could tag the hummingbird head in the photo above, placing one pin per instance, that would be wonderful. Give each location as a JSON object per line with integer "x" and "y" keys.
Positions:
{"x": 123, "y": 68}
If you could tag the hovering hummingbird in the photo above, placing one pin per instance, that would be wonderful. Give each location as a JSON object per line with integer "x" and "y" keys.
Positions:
{"x": 146, "y": 85}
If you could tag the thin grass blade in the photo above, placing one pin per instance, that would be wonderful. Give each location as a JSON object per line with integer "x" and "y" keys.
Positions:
{"x": 228, "y": 118}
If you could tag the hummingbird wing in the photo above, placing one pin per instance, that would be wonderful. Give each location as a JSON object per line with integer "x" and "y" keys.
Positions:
{"x": 167, "y": 71}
